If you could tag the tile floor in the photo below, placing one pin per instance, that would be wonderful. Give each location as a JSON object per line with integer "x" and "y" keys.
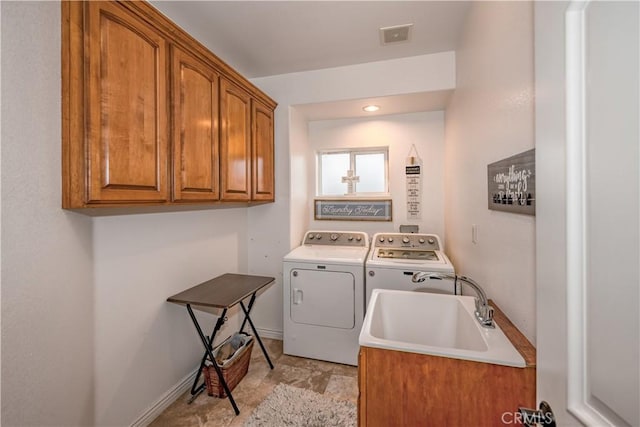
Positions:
{"x": 335, "y": 380}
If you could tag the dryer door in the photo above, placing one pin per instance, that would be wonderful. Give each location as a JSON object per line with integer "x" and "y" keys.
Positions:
{"x": 323, "y": 298}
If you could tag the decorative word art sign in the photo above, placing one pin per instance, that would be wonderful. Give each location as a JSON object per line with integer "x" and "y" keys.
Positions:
{"x": 512, "y": 184}
{"x": 353, "y": 210}
{"x": 413, "y": 172}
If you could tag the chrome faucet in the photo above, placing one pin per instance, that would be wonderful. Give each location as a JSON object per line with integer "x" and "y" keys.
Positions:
{"x": 484, "y": 312}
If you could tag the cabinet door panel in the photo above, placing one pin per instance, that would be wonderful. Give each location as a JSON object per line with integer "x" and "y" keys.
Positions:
{"x": 235, "y": 142}
{"x": 262, "y": 155}
{"x": 424, "y": 387}
{"x": 127, "y": 112}
{"x": 195, "y": 129}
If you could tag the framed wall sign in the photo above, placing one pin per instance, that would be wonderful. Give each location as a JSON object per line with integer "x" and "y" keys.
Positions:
{"x": 352, "y": 210}
{"x": 512, "y": 184}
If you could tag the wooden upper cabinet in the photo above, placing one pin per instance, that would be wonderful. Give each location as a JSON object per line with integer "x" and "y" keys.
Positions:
{"x": 194, "y": 98}
{"x": 151, "y": 117}
{"x": 235, "y": 142}
{"x": 262, "y": 156}
{"x": 126, "y": 108}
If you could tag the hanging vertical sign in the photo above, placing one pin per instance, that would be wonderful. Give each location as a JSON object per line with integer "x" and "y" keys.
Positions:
{"x": 413, "y": 171}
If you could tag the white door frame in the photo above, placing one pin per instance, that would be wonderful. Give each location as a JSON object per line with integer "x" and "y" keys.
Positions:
{"x": 576, "y": 97}
{"x": 565, "y": 241}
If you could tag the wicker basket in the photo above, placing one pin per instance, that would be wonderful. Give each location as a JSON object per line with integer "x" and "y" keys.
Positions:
{"x": 232, "y": 372}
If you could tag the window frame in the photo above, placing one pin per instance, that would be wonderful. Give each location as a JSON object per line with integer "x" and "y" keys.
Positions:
{"x": 353, "y": 152}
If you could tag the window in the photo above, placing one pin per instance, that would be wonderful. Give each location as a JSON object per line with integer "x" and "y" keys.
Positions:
{"x": 353, "y": 172}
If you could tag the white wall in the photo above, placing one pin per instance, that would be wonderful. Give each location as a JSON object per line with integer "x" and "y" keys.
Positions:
{"x": 47, "y": 259}
{"x": 398, "y": 132}
{"x": 87, "y": 335}
{"x": 490, "y": 117}
{"x": 270, "y": 233}
{"x": 145, "y": 345}
{"x": 302, "y": 162}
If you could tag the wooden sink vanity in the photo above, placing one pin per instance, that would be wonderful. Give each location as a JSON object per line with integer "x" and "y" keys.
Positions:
{"x": 410, "y": 389}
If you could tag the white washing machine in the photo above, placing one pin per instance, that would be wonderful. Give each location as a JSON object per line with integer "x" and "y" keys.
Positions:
{"x": 324, "y": 296}
{"x": 395, "y": 257}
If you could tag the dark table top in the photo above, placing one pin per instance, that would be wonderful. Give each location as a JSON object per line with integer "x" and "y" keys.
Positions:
{"x": 222, "y": 292}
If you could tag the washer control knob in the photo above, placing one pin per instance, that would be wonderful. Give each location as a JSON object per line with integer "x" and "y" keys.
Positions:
{"x": 431, "y": 241}
{"x": 318, "y": 236}
{"x": 390, "y": 239}
{"x": 405, "y": 239}
{"x": 358, "y": 238}
{"x": 382, "y": 240}
{"x": 372, "y": 273}
{"x": 334, "y": 237}
{"x": 421, "y": 240}
{"x": 350, "y": 238}
{"x": 311, "y": 237}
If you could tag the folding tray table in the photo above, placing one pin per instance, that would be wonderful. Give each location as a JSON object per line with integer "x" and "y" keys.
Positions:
{"x": 222, "y": 292}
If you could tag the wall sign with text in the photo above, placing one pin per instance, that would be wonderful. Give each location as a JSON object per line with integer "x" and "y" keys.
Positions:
{"x": 353, "y": 210}
{"x": 413, "y": 172}
{"x": 512, "y": 184}
{"x": 414, "y": 190}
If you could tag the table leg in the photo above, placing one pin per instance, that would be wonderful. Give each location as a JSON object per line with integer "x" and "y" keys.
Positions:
{"x": 207, "y": 346}
{"x": 195, "y": 390}
{"x": 246, "y": 317}
{"x": 251, "y": 301}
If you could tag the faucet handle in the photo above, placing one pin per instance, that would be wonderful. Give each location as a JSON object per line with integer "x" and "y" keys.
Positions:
{"x": 489, "y": 314}
{"x": 484, "y": 313}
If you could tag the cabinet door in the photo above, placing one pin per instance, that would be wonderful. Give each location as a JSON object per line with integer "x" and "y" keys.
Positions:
{"x": 126, "y": 107}
{"x": 195, "y": 129}
{"x": 235, "y": 142}
{"x": 262, "y": 168}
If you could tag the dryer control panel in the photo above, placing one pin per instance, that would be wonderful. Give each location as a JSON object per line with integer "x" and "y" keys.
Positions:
{"x": 336, "y": 238}
{"x": 427, "y": 242}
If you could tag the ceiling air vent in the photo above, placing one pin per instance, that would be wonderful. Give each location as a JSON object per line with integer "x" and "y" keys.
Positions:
{"x": 395, "y": 34}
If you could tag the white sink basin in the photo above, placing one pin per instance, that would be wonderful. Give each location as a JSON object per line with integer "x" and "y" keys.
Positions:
{"x": 435, "y": 324}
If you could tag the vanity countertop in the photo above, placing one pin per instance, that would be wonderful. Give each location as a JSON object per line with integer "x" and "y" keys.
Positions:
{"x": 517, "y": 338}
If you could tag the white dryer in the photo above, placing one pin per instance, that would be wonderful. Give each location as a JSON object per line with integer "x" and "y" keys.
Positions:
{"x": 324, "y": 296}
{"x": 395, "y": 257}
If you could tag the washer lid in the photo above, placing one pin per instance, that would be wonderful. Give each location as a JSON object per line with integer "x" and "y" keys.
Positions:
{"x": 408, "y": 259}
{"x": 328, "y": 254}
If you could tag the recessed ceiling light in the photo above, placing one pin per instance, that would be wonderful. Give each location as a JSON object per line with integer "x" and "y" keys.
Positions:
{"x": 371, "y": 108}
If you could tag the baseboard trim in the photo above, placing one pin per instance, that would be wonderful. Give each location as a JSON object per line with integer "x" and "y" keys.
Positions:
{"x": 183, "y": 385}
{"x": 165, "y": 400}
{"x": 270, "y": 333}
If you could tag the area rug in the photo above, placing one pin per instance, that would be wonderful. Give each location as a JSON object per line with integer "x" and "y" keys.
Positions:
{"x": 293, "y": 406}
